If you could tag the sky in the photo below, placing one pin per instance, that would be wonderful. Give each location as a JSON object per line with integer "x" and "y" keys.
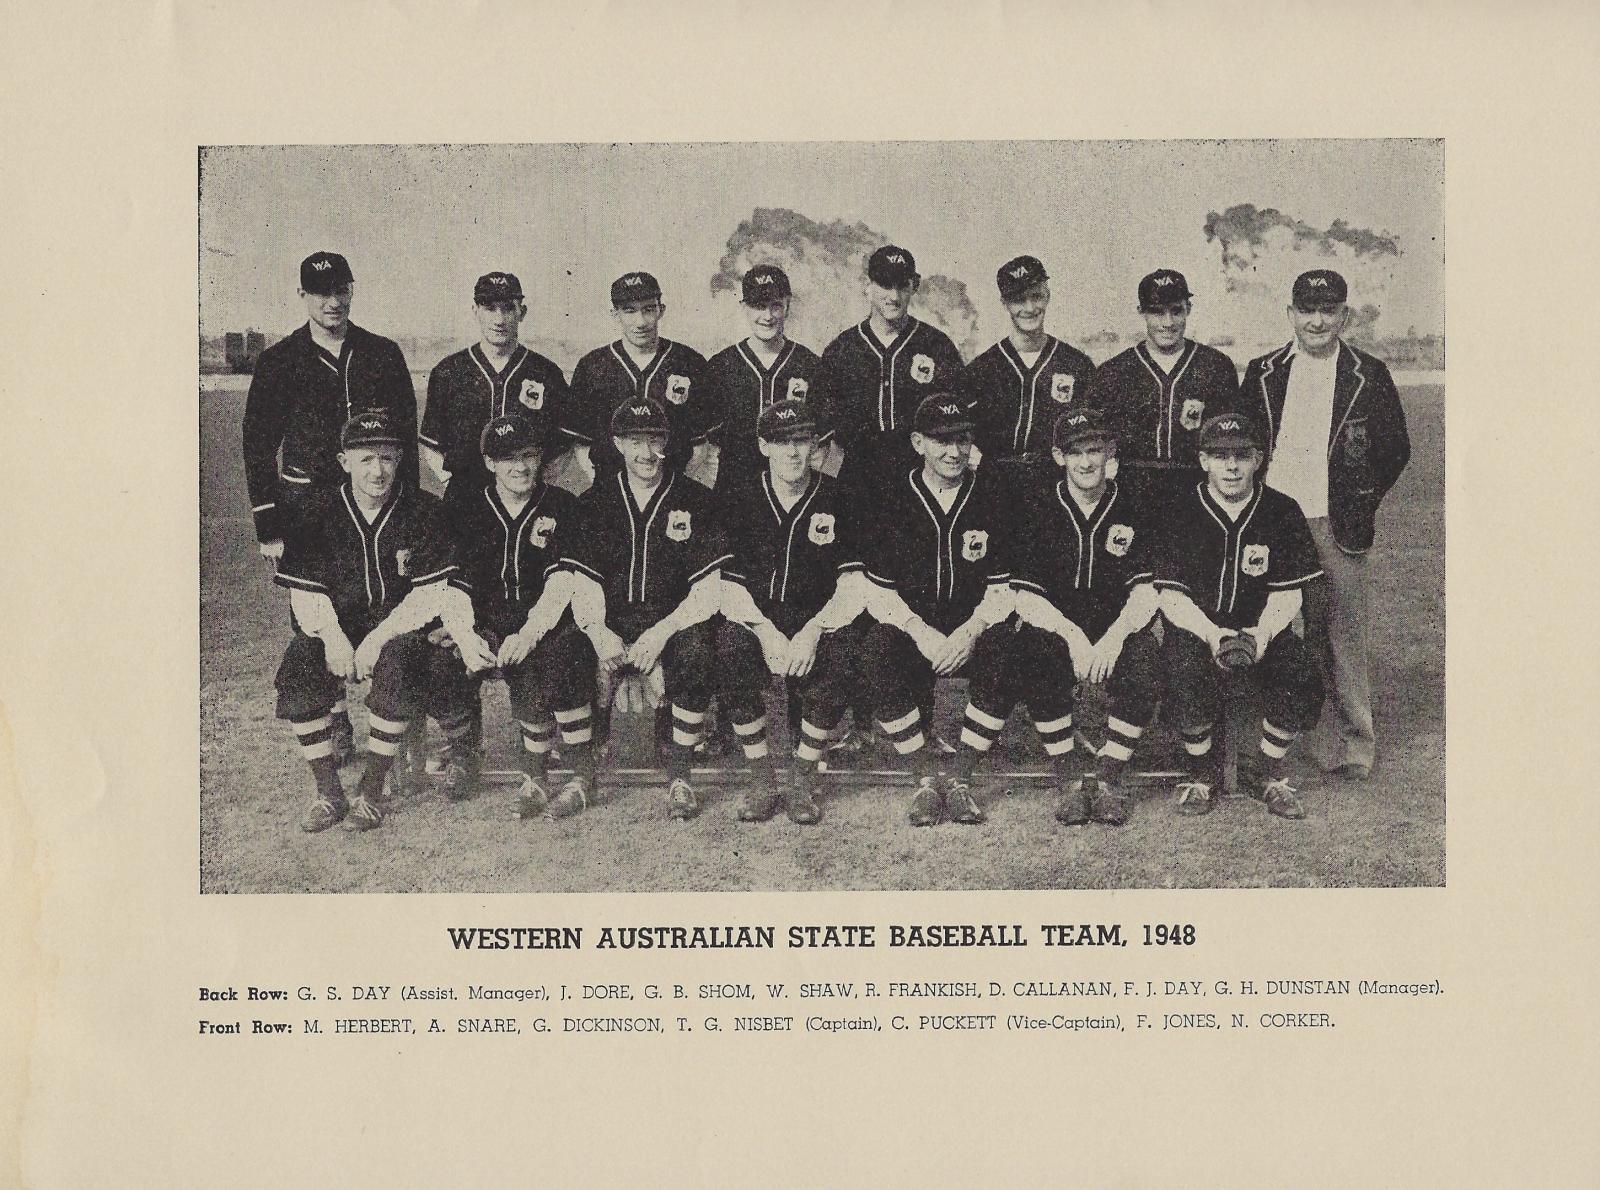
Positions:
{"x": 420, "y": 223}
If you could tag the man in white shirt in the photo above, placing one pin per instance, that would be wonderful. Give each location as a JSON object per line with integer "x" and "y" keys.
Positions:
{"x": 1338, "y": 443}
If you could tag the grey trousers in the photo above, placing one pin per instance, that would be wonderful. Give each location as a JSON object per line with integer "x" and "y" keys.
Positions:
{"x": 1338, "y": 626}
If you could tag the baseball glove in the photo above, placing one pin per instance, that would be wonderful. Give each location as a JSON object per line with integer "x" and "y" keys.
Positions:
{"x": 1237, "y": 651}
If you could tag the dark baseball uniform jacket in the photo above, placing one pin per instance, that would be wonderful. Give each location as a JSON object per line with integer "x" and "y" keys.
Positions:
{"x": 741, "y": 387}
{"x": 505, "y": 559}
{"x": 1230, "y": 567}
{"x": 465, "y": 391}
{"x": 1084, "y": 565}
{"x": 1368, "y": 445}
{"x": 868, "y": 391}
{"x": 789, "y": 560}
{"x": 941, "y": 563}
{"x": 299, "y": 399}
{"x": 607, "y": 376}
{"x": 1017, "y": 405}
{"x": 366, "y": 569}
{"x": 645, "y": 559}
{"x": 1157, "y": 414}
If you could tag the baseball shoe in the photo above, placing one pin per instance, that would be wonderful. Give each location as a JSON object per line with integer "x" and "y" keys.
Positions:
{"x": 757, "y": 805}
{"x": 1194, "y": 798}
{"x": 575, "y": 795}
{"x": 927, "y": 804}
{"x": 365, "y": 813}
{"x": 959, "y": 803}
{"x": 459, "y": 778}
{"x": 1107, "y": 803}
{"x": 323, "y": 813}
{"x": 532, "y": 800}
{"x": 1072, "y": 803}
{"x": 683, "y": 803}
{"x": 1281, "y": 798}
{"x": 800, "y": 800}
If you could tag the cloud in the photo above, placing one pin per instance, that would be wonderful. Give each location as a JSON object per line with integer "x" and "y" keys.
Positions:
{"x": 826, "y": 263}
{"x": 1263, "y": 249}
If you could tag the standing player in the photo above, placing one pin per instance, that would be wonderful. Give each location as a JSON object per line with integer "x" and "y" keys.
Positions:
{"x": 1232, "y": 561}
{"x": 508, "y": 534}
{"x": 1022, "y": 383}
{"x": 645, "y": 562}
{"x": 873, "y": 376}
{"x": 1084, "y": 597}
{"x": 495, "y": 376}
{"x": 748, "y": 377}
{"x": 305, "y": 388}
{"x": 1337, "y": 437}
{"x": 938, "y": 572}
{"x": 1157, "y": 393}
{"x": 785, "y": 608}
{"x": 367, "y": 565}
{"x": 640, "y": 366}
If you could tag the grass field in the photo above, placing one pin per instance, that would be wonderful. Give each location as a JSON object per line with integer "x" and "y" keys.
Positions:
{"x": 1389, "y": 831}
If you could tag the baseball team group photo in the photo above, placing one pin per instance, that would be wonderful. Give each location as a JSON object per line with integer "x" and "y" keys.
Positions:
{"x": 821, "y": 516}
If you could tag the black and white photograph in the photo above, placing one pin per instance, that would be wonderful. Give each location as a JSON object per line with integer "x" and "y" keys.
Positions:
{"x": 788, "y": 516}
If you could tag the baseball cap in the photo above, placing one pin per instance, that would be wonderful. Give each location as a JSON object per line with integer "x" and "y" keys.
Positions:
{"x": 1080, "y": 425}
{"x": 324, "y": 272}
{"x": 1229, "y": 429}
{"x": 765, "y": 283}
{"x": 943, "y": 415}
{"x": 634, "y": 287}
{"x": 785, "y": 419}
{"x": 510, "y": 433}
{"x": 639, "y": 417}
{"x": 1164, "y": 287}
{"x": 370, "y": 427}
{"x": 1017, "y": 276}
{"x": 497, "y": 287}
{"x": 1317, "y": 287}
{"x": 891, "y": 266}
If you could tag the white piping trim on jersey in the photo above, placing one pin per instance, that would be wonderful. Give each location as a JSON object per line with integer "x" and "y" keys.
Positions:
{"x": 512, "y": 369}
{"x": 1080, "y": 580}
{"x": 1168, "y": 393}
{"x": 349, "y": 410}
{"x": 1361, "y": 383}
{"x": 1031, "y": 397}
{"x": 657, "y": 499}
{"x": 946, "y": 533}
{"x": 900, "y": 341}
{"x": 264, "y": 507}
{"x": 794, "y": 522}
{"x": 1235, "y": 532}
{"x": 766, "y": 382}
{"x": 641, "y": 377}
{"x": 366, "y": 561}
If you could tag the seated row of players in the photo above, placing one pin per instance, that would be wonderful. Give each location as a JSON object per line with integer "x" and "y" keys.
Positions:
{"x": 646, "y": 578}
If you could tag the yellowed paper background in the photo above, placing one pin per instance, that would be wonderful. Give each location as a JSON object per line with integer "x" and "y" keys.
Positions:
{"x": 105, "y": 938}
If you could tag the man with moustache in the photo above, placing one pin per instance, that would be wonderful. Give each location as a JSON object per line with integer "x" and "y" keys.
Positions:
{"x": 1337, "y": 442}
{"x": 494, "y": 377}
{"x": 747, "y": 378}
{"x": 1156, "y": 395}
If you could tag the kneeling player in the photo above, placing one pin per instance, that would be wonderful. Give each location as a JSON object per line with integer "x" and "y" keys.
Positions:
{"x": 1233, "y": 558}
{"x": 508, "y": 535}
{"x": 645, "y": 562}
{"x": 366, "y": 566}
{"x": 1083, "y": 594}
{"x": 784, "y": 605}
{"x": 938, "y": 583}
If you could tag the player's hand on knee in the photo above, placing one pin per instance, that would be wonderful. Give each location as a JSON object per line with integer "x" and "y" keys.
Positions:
{"x": 366, "y": 657}
{"x": 340, "y": 657}
{"x": 475, "y": 653}
{"x": 802, "y": 653}
{"x": 1103, "y": 658}
{"x": 515, "y": 649}
{"x": 272, "y": 551}
{"x": 775, "y": 651}
{"x": 957, "y": 648}
{"x": 930, "y": 643}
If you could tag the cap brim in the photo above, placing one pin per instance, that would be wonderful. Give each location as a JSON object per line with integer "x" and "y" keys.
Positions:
{"x": 1230, "y": 441}
{"x": 1105, "y": 436}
